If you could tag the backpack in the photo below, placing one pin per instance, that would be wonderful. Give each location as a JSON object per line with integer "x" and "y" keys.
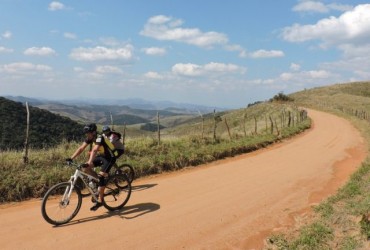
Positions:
{"x": 119, "y": 136}
{"x": 106, "y": 145}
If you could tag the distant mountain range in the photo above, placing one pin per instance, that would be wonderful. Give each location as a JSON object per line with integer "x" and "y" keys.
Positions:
{"x": 136, "y": 103}
{"x": 126, "y": 111}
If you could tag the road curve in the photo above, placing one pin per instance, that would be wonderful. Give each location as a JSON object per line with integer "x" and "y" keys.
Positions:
{"x": 229, "y": 204}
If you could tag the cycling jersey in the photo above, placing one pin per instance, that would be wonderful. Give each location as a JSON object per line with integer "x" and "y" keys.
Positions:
{"x": 106, "y": 148}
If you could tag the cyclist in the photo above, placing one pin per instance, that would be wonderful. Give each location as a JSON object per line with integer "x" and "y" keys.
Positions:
{"x": 115, "y": 139}
{"x": 102, "y": 153}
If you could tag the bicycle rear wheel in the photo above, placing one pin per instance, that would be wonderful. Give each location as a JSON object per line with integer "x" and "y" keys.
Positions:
{"x": 128, "y": 170}
{"x": 117, "y": 192}
{"x": 57, "y": 208}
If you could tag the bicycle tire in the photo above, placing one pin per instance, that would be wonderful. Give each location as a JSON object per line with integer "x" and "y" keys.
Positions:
{"x": 117, "y": 192}
{"x": 52, "y": 204}
{"x": 128, "y": 170}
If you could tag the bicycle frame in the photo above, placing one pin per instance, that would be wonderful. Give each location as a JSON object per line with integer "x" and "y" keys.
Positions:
{"x": 84, "y": 177}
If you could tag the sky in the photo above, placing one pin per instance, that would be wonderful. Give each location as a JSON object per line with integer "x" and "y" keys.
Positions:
{"x": 205, "y": 52}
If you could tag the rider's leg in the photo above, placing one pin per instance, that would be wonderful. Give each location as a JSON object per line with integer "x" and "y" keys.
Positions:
{"x": 103, "y": 175}
{"x": 90, "y": 171}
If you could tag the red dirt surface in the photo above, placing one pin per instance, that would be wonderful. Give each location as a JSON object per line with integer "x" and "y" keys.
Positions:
{"x": 230, "y": 204}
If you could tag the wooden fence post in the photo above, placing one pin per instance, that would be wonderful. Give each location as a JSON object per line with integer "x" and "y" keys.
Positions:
{"x": 244, "y": 128}
{"x": 228, "y": 129}
{"x": 214, "y": 125}
{"x": 277, "y": 128}
{"x": 111, "y": 120}
{"x": 124, "y": 133}
{"x": 255, "y": 125}
{"x": 202, "y": 124}
{"x": 272, "y": 125}
{"x": 159, "y": 129}
{"x": 25, "y": 156}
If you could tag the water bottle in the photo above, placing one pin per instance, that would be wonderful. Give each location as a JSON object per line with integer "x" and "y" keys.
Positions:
{"x": 92, "y": 185}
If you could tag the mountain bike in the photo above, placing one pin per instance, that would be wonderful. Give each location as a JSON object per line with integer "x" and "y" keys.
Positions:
{"x": 62, "y": 202}
{"x": 121, "y": 169}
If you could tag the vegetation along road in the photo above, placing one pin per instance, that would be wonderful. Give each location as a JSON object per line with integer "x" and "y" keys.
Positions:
{"x": 231, "y": 204}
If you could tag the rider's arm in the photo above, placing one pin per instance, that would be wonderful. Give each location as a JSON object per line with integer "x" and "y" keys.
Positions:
{"x": 79, "y": 150}
{"x": 93, "y": 153}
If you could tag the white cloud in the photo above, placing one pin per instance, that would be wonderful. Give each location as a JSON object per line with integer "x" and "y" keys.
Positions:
{"x": 295, "y": 67}
{"x": 69, "y": 35}
{"x": 154, "y": 51}
{"x": 5, "y": 50}
{"x": 166, "y": 28}
{"x": 305, "y": 76}
{"x": 311, "y": 6}
{"x": 7, "y": 35}
{"x": 107, "y": 69}
{"x": 102, "y": 53}
{"x": 78, "y": 69}
{"x": 355, "y": 61}
{"x": 153, "y": 75}
{"x": 266, "y": 53}
{"x": 351, "y": 27}
{"x": 316, "y": 6}
{"x": 43, "y": 51}
{"x": 23, "y": 67}
{"x": 54, "y": 6}
{"x": 340, "y": 7}
{"x": 189, "y": 69}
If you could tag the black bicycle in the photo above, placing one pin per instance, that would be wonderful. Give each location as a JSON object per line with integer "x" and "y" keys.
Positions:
{"x": 62, "y": 201}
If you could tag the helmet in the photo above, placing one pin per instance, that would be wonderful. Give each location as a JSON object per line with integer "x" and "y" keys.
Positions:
{"x": 90, "y": 128}
{"x": 106, "y": 129}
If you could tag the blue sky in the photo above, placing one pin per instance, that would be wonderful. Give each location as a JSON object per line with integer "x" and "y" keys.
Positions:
{"x": 207, "y": 52}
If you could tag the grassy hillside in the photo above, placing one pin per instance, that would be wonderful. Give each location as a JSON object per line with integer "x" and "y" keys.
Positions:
{"x": 340, "y": 222}
{"x": 46, "y": 129}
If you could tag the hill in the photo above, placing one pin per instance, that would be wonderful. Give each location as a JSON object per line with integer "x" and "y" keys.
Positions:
{"x": 129, "y": 112}
{"x": 46, "y": 128}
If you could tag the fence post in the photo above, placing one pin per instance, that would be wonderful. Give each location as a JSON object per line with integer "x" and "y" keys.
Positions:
{"x": 25, "y": 156}
{"x": 159, "y": 130}
{"x": 277, "y": 128}
{"x": 124, "y": 133}
{"x": 214, "y": 125}
{"x": 111, "y": 120}
{"x": 244, "y": 121}
{"x": 202, "y": 124}
{"x": 255, "y": 125}
{"x": 228, "y": 129}
{"x": 272, "y": 125}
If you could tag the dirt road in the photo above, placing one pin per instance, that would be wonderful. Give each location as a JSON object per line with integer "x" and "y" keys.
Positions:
{"x": 230, "y": 204}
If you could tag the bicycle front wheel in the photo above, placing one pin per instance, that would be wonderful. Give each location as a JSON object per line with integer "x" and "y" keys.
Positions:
{"x": 60, "y": 204}
{"x": 117, "y": 192}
